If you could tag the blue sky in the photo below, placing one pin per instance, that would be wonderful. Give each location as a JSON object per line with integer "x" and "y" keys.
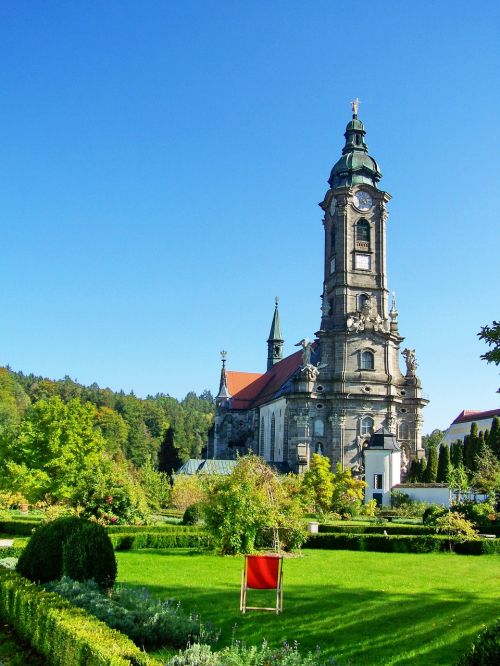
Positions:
{"x": 162, "y": 163}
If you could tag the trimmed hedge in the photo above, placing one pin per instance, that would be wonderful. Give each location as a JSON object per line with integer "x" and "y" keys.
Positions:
{"x": 390, "y": 528}
{"x": 61, "y": 632}
{"x": 480, "y": 547}
{"x": 426, "y": 543}
{"x": 10, "y": 551}
{"x": 186, "y": 539}
{"x": 19, "y": 527}
{"x": 166, "y": 528}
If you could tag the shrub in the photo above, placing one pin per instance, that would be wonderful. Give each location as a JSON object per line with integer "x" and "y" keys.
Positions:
{"x": 191, "y": 515}
{"x": 45, "y": 556}
{"x": 88, "y": 554}
{"x": 239, "y": 654}
{"x": 147, "y": 621}
{"x": 485, "y": 649}
{"x": 60, "y": 631}
{"x": 432, "y": 513}
{"x": 42, "y": 559}
{"x": 187, "y": 490}
{"x": 390, "y": 528}
{"x": 456, "y": 526}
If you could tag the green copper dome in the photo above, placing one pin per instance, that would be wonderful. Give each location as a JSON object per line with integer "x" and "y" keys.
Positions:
{"x": 355, "y": 166}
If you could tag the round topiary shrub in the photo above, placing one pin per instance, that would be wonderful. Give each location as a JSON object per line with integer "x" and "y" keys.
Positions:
{"x": 88, "y": 555}
{"x": 192, "y": 515}
{"x": 71, "y": 546}
{"x": 41, "y": 560}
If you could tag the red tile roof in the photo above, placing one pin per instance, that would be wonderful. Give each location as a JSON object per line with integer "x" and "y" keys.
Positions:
{"x": 249, "y": 389}
{"x": 471, "y": 415}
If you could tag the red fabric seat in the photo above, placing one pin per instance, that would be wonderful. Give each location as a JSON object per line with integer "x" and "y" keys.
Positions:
{"x": 262, "y": 572}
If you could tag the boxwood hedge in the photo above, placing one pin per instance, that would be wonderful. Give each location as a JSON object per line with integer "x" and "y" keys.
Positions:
{"x": 426, "y": 543}
{"x": 60, "y": 631}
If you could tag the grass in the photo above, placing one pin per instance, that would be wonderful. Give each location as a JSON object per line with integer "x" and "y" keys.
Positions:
{"x": 359, "y": 607}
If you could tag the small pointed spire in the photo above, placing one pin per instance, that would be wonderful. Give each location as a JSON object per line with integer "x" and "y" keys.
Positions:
{"x": 223, "y": 388}
{"x": 275, "y": 339}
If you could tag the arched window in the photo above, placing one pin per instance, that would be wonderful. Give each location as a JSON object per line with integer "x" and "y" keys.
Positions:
{"x": 362, "y": 298}
{"x": 403, "y": 430}
{"x": 363, "y": 231}
{"x": 366, "y": 426}
{"x": 273, "y": 437}
{"x": 319, "y": 428}
{"x": 367, "y": 360}
{"x": 261, "y": 438}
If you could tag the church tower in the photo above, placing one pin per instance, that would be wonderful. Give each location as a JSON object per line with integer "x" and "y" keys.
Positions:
{"x": 360, "y": 384}
{"x": 275, "y": 340}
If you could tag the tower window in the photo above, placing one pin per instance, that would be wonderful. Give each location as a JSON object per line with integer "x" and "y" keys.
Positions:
{"x": 367, "y": 426}
{"x": 403, "y": 431}
{"x": 367, "y": 360}
{"x": 378, "y": 480}
{"x": 363, "y": 231}
{"x": 261, "y": 438}
{"x": 319, "y": 428}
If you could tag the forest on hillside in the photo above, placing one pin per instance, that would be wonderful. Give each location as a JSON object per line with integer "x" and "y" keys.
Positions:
{"x": 61, "y": 440}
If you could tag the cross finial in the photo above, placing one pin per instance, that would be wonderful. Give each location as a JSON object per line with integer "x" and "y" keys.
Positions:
{"x": 223, "y": 355}
{"x": 355, "y": 104}
{"x": 276, "y": 300}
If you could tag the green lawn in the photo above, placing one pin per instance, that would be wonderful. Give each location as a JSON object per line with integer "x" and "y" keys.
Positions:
{"x": 360, "y": 607}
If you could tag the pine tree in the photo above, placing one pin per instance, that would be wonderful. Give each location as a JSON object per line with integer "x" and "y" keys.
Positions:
{"x": 443, "y": 464}
{"x": 432, "y": 466}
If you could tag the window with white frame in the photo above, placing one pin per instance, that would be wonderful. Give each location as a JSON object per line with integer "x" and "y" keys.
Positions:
{"x": 366, "y": 425}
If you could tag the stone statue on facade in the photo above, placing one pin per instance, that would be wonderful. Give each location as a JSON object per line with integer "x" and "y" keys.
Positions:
{"x": 356, "y": 322}
{"x": 411, "y": 361}
{"x": 306, "y": 351}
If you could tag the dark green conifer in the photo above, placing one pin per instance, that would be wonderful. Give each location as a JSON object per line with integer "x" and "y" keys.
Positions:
{"x": 494, "y": 438}
{"x": 421, "y": 469}
{"x": 432, "y": 466}
{"x": 457, "y": 453}
{"x": 443, "y": 463}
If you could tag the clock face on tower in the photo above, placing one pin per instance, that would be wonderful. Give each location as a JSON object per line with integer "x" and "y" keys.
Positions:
{"x": 362, "y": 200}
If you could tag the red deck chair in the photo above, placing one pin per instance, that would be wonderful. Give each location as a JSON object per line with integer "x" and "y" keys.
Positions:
{"x": 262, "y": 572}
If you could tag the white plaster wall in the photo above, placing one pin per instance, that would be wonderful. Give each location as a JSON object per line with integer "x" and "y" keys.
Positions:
{"x": 277, "y": 407}
{"x": 439, "y": 496}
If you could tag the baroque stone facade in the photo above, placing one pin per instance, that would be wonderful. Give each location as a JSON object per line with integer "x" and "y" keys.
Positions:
{"x": 334, "y": 392}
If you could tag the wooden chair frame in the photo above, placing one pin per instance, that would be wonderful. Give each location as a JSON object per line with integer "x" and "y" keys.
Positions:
{"x": 278, "y": 586}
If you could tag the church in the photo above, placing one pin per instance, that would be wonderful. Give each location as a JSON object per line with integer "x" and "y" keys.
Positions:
{"x": 335, "y": 391}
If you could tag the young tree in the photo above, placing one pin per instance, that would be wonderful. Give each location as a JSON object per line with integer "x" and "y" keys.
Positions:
{"x": 443, "y": 464}
{"x": 347, "y": 491}
{"x": 491, "y": 335}
{"x": 252, "y": 500}
{"x": 317, "y": 483}
{"x": 431, "y": 470}
{"x": 457, "y": 479}
{"x": 487, "y": 474}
